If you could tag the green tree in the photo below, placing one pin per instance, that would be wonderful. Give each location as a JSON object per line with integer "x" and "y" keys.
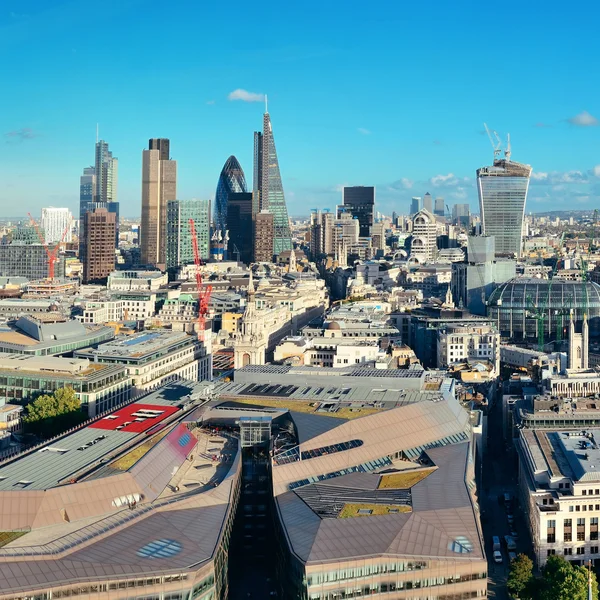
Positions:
{"x": 520, "y": 578}
{"x": 49, "y": 415}
{"x": 563, "y": 581}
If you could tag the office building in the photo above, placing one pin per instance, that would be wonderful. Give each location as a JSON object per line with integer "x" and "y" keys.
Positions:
{"x": 321, "y": 233}
{"x": 231, "y": 181}
{"x": 268, "y": 187}
{"x": 106, "y": 172}
{"x": 239, "y": 223}
{"x": 461, "y": 215}
{"x": 87, "y": 191}
{"x": 155, "y": 357}
{"x": 30, "y": 261}
{"x": 54, "y": 222}
{"x": 179, "y": 249}
{"x": 416, "y": 204}
{"x": 502, "y": 195}
{"x": 99, "y": 239}
{"x": 439, "y": 209}
{"x": 264, "y": 230}
{"x": 360, "y": 202}
{"x": 423, "y": 246}
{"x": 155, "y": 523}
{"x": 159, "y": 185}
{"x": 458, "y": 343}
{"x": 428, "y": 202}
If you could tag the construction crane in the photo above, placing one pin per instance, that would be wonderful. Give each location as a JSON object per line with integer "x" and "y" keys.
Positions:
{"x": 560, "y": 314}
{"x": 204, "y": 291}
{"x": 51, "y": 254}
{"x": 497, "y": 145}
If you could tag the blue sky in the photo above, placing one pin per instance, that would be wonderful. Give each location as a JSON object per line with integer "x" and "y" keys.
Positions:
{"x": 391, "y": 94}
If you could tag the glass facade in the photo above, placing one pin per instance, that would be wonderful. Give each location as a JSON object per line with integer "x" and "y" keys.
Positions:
{"x": 231, "y": 181}
{"x": 509, "y": 307}
{"x": 271, "y": 195}
{"x": 179, "y": 240}
{"x": 502, "y": 195}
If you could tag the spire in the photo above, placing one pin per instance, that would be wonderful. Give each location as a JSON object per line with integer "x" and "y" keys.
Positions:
{"x": 251, "y": 289}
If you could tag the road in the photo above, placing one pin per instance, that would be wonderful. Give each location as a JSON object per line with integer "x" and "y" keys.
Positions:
{"x": 499, "y": 476}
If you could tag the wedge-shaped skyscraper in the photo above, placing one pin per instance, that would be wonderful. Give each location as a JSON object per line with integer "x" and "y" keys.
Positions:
{"x": 502, "y": 194}
{"x": 267, "y": 188}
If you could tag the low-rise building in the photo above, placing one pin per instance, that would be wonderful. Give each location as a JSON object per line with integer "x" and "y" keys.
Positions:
{"x": 457, "y": 343}
{"x": 99, "y": 387}
{"x": 156, "y": 356}
{"x": 128, "y": 281}
{"x": 121, "y": 306}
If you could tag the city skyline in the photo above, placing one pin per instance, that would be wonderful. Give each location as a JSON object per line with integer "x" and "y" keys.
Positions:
{"x": 420, "y": 133}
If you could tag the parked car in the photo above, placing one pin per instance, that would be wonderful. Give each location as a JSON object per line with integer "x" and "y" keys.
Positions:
{"x": 497, "y": 556}
{"x": 510, "y": 543}
{"x": 512, "y": 556}
{"x": 496, "y": 543}
{"x": 511, "y": 518}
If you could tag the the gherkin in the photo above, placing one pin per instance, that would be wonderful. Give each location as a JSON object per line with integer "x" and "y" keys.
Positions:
{"x": 231, "y": 181}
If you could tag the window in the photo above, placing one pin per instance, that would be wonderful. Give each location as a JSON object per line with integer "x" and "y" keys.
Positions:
{"x": 594, "y": 550}
{"x": 568, "y": 551}
{"x": 581, "y": 550}
{"x": 551, "y": 552}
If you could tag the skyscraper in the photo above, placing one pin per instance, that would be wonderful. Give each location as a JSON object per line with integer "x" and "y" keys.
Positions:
{"x": 360, "y": 202}
{"x": 106, "y": 170}
{"x": 461, "y": 214}
{"x": 87, "y": 191}
{"x": 231, "y": 181}
{"x": 416, "y": 204}
{"x": 438, "y": 210}
{"x": 239, "y": 222}
{"x": 502, "y": 195}
{"x": 179, "y": 249}
{"x": 99, "y": 239}
{"x": 54, "y": 222}
{"x": 428, "y": 202}
{"x": 159, "y": 185}
{"x": 268, "y": 187}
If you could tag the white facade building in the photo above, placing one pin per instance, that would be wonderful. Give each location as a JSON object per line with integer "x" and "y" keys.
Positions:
{"x": 54, "y": 222}
{"x": 424, "y": 240}
{"x": 458, "y": 343}
{"x": 125, "y": 308}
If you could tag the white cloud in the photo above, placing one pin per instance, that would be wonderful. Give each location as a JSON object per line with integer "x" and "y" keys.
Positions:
{"x": 583, "y": 119}
{"x": 459, "y": 193}
{"x": 245, "y": 96}
{"x": 363, "y": 131}
{"x": 440, "y": 180}
{"x": 596, "y": 171}
{"x": 539, "y": 176}
{"x": 560, "y": 177}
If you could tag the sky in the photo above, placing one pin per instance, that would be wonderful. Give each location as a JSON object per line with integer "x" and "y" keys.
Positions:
{"x": 385, "y": 93}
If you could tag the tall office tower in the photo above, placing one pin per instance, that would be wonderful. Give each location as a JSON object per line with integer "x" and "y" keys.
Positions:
{"x": 321, "y": 233}
{"x": 424, "y": 237}
{"x": 87, "y": 191}
{"x": 106, "y": 171}
{"x": 428, "y": 202}
{"x": 239, "y": 222}
{"x": 264, "y": 232}
{"x": 461, "y": 215}
{"x": 438, "y": 210}
{"x": 231, "y": 181}
{"x": 345, "y": 233}
{"x": 268, "y": 187}
{"x": 502, "y": 195}
{"x": 99, "y": 230}
{"x": 54, "y": 222}
{"x": 416, "y": 204}
{"x": 159, "y": 185}
{"x": 360, "y": 202}
{"x": 179, "y": 249}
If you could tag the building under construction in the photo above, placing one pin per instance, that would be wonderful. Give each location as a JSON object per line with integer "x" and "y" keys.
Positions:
{"x": 18, "y": 259}
{"x": 516, "y": 305}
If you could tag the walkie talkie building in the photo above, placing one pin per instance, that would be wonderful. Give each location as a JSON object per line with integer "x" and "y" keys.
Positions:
{"x": 502, "y": 195}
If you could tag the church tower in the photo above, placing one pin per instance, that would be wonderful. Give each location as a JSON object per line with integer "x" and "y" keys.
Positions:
{"x": 578, "y": 345}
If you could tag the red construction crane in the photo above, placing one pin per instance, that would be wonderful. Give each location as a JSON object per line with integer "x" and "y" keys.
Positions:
{"x": 204, "y": 291}
{"x": 52, "y": 254}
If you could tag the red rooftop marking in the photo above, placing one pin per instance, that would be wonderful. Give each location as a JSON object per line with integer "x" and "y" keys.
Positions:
{"x": 116, "y": 420}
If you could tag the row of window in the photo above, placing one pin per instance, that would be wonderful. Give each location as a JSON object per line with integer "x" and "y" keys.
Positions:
{"x": 578, "y": 551}
{"x": 364, "y": 571}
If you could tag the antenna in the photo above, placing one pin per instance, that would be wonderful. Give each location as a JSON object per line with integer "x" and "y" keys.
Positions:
{"x": 495, "y": 145}
{"x": 97, "y": 130}
{"x": 507, "y": 151}
{"x": 266, "y": 105}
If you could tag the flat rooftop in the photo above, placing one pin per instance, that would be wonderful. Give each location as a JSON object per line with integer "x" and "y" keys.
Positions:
{"x": 138, "y": 345}
{"x": 582, "y": 451}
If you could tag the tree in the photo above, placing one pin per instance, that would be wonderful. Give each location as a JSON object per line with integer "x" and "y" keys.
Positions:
{"x": 520, "y": 577}
{"x": 49, "y": 415}
{"x": 563, "y": 581}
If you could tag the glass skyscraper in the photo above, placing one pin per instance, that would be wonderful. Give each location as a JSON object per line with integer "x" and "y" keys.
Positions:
{"x": 231, "y": 181}
{"x": 502, "y": 195}
{"x": 268, "y": 188}
{"x": 179, "y": 250}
